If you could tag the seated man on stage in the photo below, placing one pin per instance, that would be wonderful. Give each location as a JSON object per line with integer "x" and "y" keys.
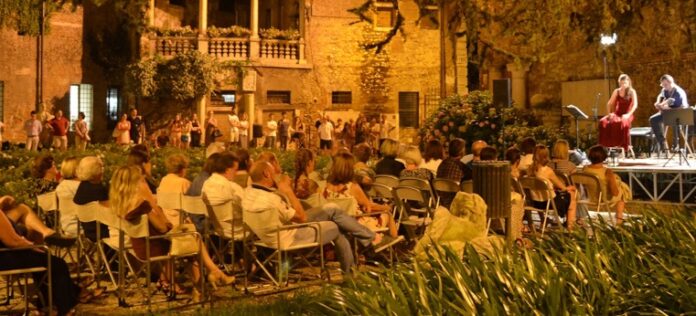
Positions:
{"x": 615, "y": 128}
{"x": 672, "y": 96}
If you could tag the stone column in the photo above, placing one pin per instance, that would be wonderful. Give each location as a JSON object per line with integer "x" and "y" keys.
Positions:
{"x": 202, "y": 115}
{"x": 462, "y": 66}
{"x": 518, "y": 73}
{"x": 302, "y": 28}
{"x": 254, "y": 49}
{"x": 202, "y": 17}
{"x": 151, "y": 13}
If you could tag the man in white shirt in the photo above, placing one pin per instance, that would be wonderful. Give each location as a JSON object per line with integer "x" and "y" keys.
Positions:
{"x": 270, "y": 202}
{"x": 326, "y": 130}
{"x": 234, "y": 127}
{"x": 385, "y": 129}
{"x": 272, "y": 127}
{"x": 220, "y": 189}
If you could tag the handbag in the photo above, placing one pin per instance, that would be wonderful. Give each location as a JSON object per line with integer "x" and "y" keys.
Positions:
{"x": 184, "y": 244}
{"x": 217, "y": 133}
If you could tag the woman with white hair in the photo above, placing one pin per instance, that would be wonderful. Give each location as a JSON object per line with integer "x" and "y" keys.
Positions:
{"x": 413, "y": 159}
{"x": 66, "y": 189}
{"x": 90, "y": 171}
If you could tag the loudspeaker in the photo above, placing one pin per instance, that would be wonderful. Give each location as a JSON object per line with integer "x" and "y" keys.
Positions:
{"x": 502, "y": 92}
{"x": 257, "y": 131}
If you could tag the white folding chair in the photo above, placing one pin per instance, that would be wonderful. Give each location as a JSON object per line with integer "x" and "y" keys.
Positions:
{"x": 424, "y": 186}
{"x": 48, "y": 207}
{"x": 171, "y": 201}
{"x": 93, "y": 212}
{"x": 229, "y": 213}
{"x": 414, "y": 218}
{"x": 388, "y": 180}
{"x": 25, "y": 273}
{"x": 544, "y": 190}
{"x": 592, "y": 196}
{"x": 252, "y": 239}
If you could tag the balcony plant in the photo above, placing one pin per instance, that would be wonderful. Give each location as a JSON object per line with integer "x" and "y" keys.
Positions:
{"x": 274, "y": 33}
{"x": 173, "y": 31}
{"x": 232, "y": 31}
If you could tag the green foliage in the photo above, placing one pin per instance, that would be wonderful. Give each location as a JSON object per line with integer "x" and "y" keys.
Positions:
{"x": 186, "y": 76}
{"x": 232, "y": 31}
{"x": 274, "y": 33}
{"x": 473, "y": 117}
{"x": 375, "y": 69}
{"x": 173, "y": 31}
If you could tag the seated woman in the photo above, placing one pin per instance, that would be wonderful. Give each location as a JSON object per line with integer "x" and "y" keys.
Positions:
{"x": 44, "y": 168}
{"x": 364, "y": 175}
{"x": 90, "y": 171}
{"x": 561, "y": 154}
{"x": 513, "y": 156}
{"x": 244, "y": 166}
{"x": 562, "y": 193}
{"x": 433, "y": 155}
{"x": 302, "y": 185}
{"x": 389, "y": 165}
{"x": 174, "y": 182}
{"x": 140, "y": 156}
{"x": 66, "y": 294}
{"x": 608, "y": 181}
{"x": 615, "y": 128}
{"x": 130, "y": 198}
{"x": 340, "y": 185}
{"x": 66, "y": 189}
{"x": 413, "y": 159}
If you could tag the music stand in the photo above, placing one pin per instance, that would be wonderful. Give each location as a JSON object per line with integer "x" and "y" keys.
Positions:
{"x": 578, "y": 115}
{"x": 679, "y": 118}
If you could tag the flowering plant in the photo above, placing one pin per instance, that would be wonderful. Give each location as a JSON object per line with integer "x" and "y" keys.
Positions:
{"x": 473, "y": 117}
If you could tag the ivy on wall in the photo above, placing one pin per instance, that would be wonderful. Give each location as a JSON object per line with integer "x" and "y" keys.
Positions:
{"x": 375, "y": 69}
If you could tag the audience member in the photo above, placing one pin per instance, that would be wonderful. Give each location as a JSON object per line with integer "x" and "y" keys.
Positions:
{"x": 139, "y": 156}
{"x": 66, "y": 190}
{"x": 488, "y": 153}
{"x": 90, "y": 171}
{"x": 174, "y": 182}
{"x": 364, "y": 175}
{"x": 560, "y": 161}
{"x": 564, "y": 196}
{"x": 44, "y": 169}
{"x": 413, "y": 159}
{"x": 513, "y": 156}
{"x": 388, "y": 164}
{"x": 475, "y": 152}
{"x": 608, "y": 181}
{"x": 527, "y": 150}
{"x": 433, "y": 155}
{"x": 303, "y": 186}
{"x": 220, "y": 189}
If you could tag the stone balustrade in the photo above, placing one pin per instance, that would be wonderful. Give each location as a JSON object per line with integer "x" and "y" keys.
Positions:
{"x": 229, "y": 48}
{"x": 280, "y": 50}
{"x": 172, "y": 45}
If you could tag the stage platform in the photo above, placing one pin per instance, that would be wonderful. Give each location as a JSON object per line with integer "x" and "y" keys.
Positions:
{"x": 657, "y": 180}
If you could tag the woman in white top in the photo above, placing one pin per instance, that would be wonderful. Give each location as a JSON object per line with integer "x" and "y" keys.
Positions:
{"x": 65, "y": 191}
{"x": 433, "y": 155}
{"x": 174, "y": 182}
{"x": 244, "y": 130}
{"x": 540, "y": 170}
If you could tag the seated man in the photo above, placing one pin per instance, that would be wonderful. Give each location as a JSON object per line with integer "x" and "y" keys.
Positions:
{"x": 220, "y": 189}
{"x": 264, "y": 194}
{"x": 453, "y": 168}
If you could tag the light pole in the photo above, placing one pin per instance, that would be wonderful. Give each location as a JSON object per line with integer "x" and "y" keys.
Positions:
{"x": 606, "y": 40}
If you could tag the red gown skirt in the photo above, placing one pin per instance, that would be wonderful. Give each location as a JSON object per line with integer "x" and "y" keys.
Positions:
{"x": 615, "y": 131}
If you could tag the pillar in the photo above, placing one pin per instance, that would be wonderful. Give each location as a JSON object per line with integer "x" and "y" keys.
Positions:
{"x": 462, "y": 67}
{"x": 254, "y": 42}
{"x": 518, "y": 73}
{"x": 202, "y": 115}
{"x": 202, "y": 17}
{"x": 151, "y": 13}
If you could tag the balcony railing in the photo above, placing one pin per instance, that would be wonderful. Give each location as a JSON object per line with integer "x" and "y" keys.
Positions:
{"x": 280, "y": 50}
{"x": 264, "y": 51}
{"x": 229, "y": 48}
{"x": 172, "y": 45}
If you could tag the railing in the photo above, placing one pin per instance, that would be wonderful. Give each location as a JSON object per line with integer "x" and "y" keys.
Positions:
{"x": 233, "y": 48}
{"x": 169, "y": 46}
{"x": 280, "y": 50}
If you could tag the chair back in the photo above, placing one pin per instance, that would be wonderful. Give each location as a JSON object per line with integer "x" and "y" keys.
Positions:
{"x": 169, "y": 200}
{"x": 446, "y": 185}
{"x": 388, "y": 180}
{"x": 241, "y": 179}
{"x": 263, "y": 215}
{"x": 382, "y": 191}
{"x": 193, "y": 205}
{"x": 589, "y": 184}
{"x": 542, "y": 187}
{"x": 419, "y": 183}
{"x": 467, "y": 186}
{"x": 516, "y": 186}
{"x": 217, "y": 214}
{"x": 564, "y": 177}
{"x": 88, "y": 212}
{"x": 138, "y": 228}
{"x": 48, "y": 201}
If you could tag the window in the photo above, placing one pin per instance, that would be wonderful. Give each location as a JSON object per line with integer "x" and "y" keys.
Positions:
{"x": 408, "y": 109}
{"x": 113, "y": 104}
{"x": 2, "y": 100}
{"x": 178, "y": 2}
{"x": 430, "y": 19}
{"x": 81, "y": 100}
{"x": 223, "y": 98}
{"x": 277, "y": 97}
{"x": 341, "y": 97}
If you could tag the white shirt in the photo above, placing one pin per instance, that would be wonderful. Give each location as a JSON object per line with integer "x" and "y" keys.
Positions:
{"x": 219, "y": 191}
{"x": 272, "y": 128}
{"x": 385, "y": 129}
{"x": 431, "y": 165}
{"x": 325, "y": 130}
{"x": 467, "y": 158}
{"x": 526, "y": 161}
{"x": 244, "y": 128}
{"x": 234, "y": 122}
{"x": 264, "y": 211}
{"x": 66, "y": 190}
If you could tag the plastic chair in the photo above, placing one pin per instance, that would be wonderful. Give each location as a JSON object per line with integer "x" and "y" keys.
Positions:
{"x": 592, "y": 197}
{"x": 424, "y": 186}
{"x": 25, "y": 273}
{"x": 416, "y": 218}
{"x": 48, "y": 207}
{"x": 544, "y": 189}
{"x": 222, "y": 215}
{"x": 388, "y": 180}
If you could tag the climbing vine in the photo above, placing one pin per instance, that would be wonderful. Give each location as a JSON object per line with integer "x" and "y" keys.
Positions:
{"x": 374, "y": 72}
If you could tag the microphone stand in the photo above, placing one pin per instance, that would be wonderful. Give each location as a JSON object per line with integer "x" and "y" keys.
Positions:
{"x": 594, "y": 114}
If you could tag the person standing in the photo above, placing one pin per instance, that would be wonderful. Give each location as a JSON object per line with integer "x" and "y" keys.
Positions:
{"x": 211, "y": 129}
{"x": 185, "y": 133}
{"x": 244, "y": 130}
{"x": 137, "y": 126}
{"x": 122, "y": 132}
{"x": 81, "y": 132}
{"x": 195, "y": 131}
{"x": 272, "y": 127}
{"x": 45, "y": 139}
{"x": 33, "y": 128}
{"x": 615, "y": 127}
{"x": 385, "y": 129}
{"x": 234, "y": 128}
{"x": 671, "y": 96}
{"x": 59, "y": 125}
{"x": 284, "y": 130}
{"x": 326, "y": 130}
{"x": 175, "y": 129}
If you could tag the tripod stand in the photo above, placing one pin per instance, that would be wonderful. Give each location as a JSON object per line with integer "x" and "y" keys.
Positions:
{"x": 679, "y": 118}
{"x": 578, "y": 115}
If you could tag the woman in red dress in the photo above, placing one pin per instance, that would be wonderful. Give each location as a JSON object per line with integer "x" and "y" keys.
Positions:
{"x": 615, "y": 128}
